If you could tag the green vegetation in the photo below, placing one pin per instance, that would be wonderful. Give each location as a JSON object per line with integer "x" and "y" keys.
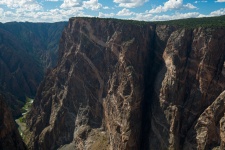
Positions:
{"x": 25, "y": 109}
{"x": 27, "y": 105}
{"x": 213, "y": 22}
{"x": 22, "y": 120}
{"x": 135, "y": 22}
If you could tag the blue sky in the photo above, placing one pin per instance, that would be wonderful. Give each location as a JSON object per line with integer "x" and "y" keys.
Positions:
{"x": 148, "y": 10}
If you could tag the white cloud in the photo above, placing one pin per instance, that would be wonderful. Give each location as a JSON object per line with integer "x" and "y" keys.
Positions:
{"x": 70, "y": 8}
{"x": 51, "y": 0}
{"x": 202, "y": 1}
{"x": 172, "y": 5}
{"x": 220, "y": 1}
{"x": 27, "y": 5}
{"x": 150, "y": 17}
{"x": 125, "y": 12}
{"x": 106, "y": 7}
{"x": 92, "y": 4}
{"x": 54, "y": 15}
{"x": 71, "y": 3}
{"x": 103, "y": 15}
{"x": 9, "y": 14}
{"x": 188, "y": 6}
{"x": 176, "y": 16}
{"x": 218, "y": 12}
{"x": 142, "y": 16}
{"x": 130, "y": 3}
{"x": 1, "y": 12}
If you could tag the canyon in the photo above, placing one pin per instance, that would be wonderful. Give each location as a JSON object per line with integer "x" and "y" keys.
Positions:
{"x": 130, "y": 85}
{"x": 27, "y": 51}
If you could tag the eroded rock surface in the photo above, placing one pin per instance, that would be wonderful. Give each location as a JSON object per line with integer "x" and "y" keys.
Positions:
{"x": 193, "y": 79}
{"x": 134, "y": 86}
{"x": 85, "y": 91}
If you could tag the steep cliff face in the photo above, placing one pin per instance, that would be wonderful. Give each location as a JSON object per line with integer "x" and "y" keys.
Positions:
{"x": 27, "y": 50}
{"x": 192, "y": 80}
{"x": 9, "y": 135}
{"x": 86, "y": 96}
{"x": 132, "y": 85}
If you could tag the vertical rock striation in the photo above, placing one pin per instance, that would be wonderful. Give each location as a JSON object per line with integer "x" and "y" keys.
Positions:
{"x": 132, "y": 85}
{"x": 193, "y": 79}
{"x": 96, "y": 89}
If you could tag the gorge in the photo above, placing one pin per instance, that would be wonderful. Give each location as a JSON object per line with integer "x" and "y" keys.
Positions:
{"x": 27, "y": 51}
{"x": 129, "y": 85}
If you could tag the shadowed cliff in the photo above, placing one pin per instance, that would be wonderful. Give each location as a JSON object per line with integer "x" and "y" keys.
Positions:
{"x": 9, "y": 135}
{"x": 27, "y": 50}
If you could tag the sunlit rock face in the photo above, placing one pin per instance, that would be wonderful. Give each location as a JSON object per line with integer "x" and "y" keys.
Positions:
{"x": 189, "y": 85}
{"x": 132, "y": 85}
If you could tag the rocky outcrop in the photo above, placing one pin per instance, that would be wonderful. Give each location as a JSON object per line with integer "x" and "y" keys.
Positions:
{"x": 132, "y": 85}
{"x": 9, "y": 135}
{"x": 27, "y": 50}
{"x": 210, "y": 125}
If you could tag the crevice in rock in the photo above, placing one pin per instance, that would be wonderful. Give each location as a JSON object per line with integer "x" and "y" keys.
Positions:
{"x": 153, "y": 66}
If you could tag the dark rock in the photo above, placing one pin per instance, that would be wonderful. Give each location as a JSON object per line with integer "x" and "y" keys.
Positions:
{"x": 27, "y": 50}
{"x": 9, "y": 135}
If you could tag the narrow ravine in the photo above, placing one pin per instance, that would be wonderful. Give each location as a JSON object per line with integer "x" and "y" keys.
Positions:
{"x": 21, "y": 121}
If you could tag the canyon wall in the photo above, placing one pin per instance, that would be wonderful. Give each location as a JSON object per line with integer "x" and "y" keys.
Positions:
{"x": 9, "y": 135}
{"x": 26, "y": 51}
{"x": 132, "y": 85}
{"x": 187, "y": 105}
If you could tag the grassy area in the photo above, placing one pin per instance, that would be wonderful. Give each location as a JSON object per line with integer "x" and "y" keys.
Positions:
{"x": 22, "y": 121}
{"x": 27, "y": 105}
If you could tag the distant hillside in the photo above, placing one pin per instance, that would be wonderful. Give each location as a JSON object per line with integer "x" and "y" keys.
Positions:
{"x": 26, "y": 51}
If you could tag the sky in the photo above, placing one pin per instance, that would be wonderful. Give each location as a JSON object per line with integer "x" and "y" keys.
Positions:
{"x": 147, "y": 10}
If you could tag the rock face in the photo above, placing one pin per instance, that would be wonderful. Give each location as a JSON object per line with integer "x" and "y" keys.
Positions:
{"x": 132, "y": 85}
{"x": 27, "y": 50}
{"x": 190, "y": 79}
{"x": 85, "y": 88}
{"x": 9, "y": 135}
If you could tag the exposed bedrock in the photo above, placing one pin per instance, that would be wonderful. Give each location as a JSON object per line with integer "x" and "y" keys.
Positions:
{"x": 27, "y": 51}
{"x": 130, "y": 85}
